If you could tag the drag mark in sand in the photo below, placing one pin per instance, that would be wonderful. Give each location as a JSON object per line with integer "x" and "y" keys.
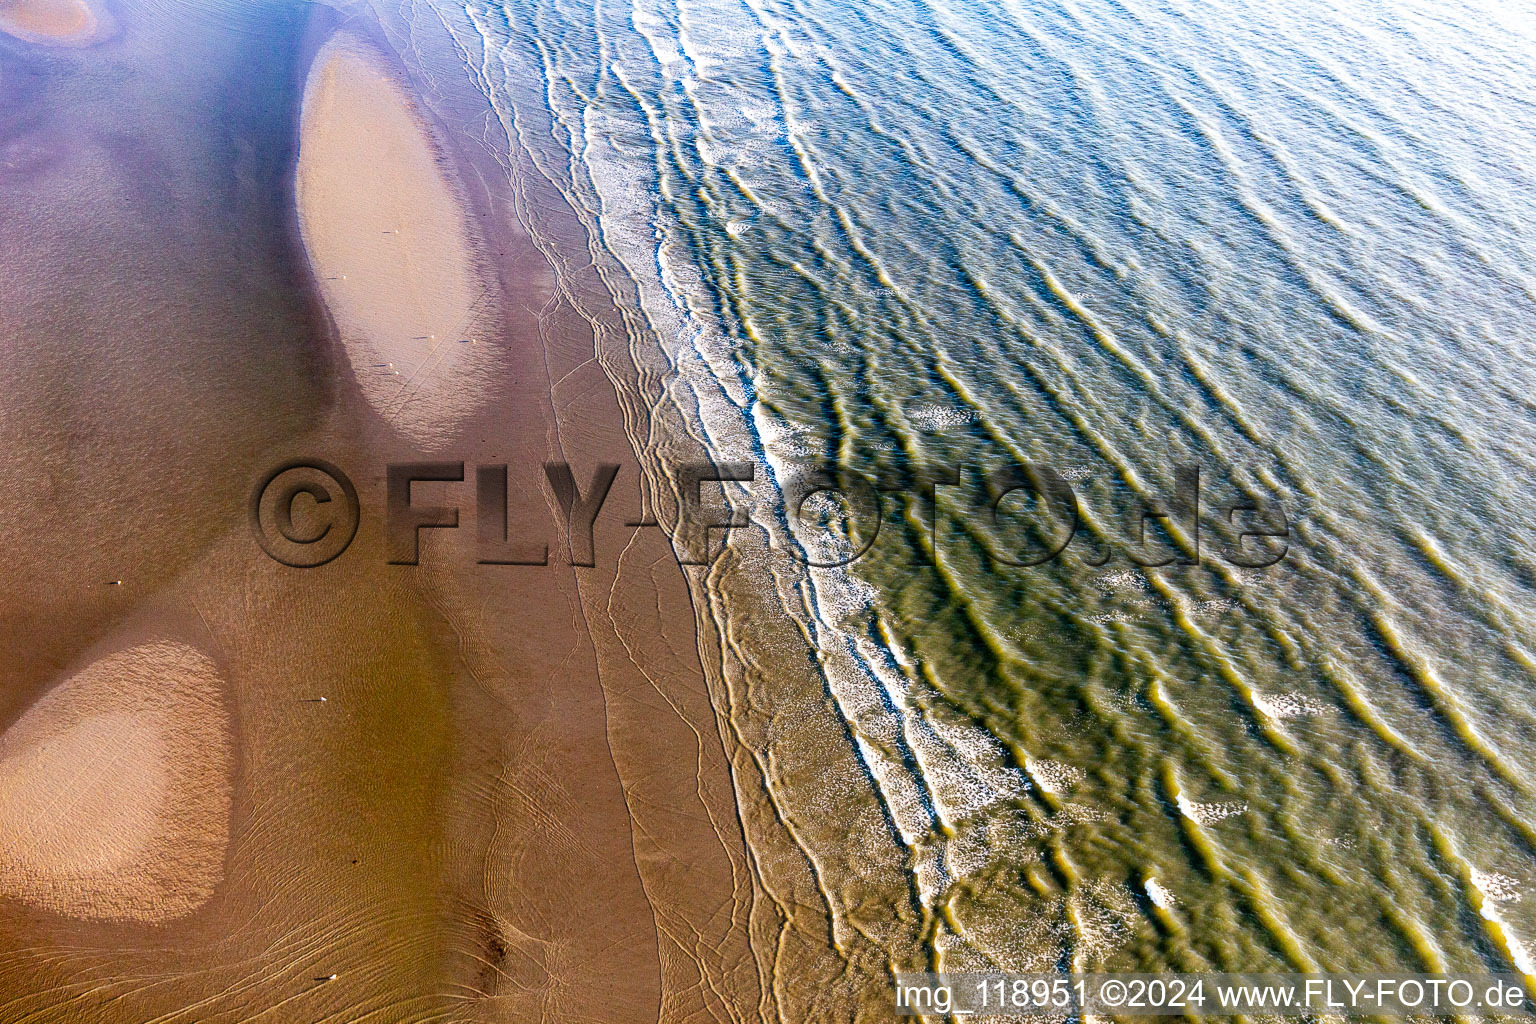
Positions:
{"x": 115, "y": 789}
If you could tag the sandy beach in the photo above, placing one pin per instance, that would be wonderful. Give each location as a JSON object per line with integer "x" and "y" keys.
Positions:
{"x": 615, "y": 881}
{"x": 453, "y": 791}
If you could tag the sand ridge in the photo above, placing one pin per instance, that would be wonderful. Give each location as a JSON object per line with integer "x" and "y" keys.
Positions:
{"x": 389, "y": 243}
{"x": 115, "y": 789}
{"x": 68, "y": 22}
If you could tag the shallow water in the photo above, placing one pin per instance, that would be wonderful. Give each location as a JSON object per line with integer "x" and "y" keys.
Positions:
{"x": 1288, "y": 243}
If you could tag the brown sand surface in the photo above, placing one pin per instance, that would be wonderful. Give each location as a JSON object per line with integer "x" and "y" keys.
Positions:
{"x": 54, "y": 21}
{"x": 135, "y": 416}
{"x": 514, "y": 803}
{"x": 634, "y": 910}
{"x": 543, "y": 891}
{"x": 389, "y": 245}
{"x": 115, "y": 789}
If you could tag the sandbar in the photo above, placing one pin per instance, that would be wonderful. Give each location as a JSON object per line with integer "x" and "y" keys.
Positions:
{"x": 389, "y": 243}
{"x": 115, "y": 789}
{"x": 70, "y": 22}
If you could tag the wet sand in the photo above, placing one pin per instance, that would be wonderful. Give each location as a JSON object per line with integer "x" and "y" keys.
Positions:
{"x": 514, "y": 803}
{"x": 141, "y": 410}
{"x": 616, "y": 884}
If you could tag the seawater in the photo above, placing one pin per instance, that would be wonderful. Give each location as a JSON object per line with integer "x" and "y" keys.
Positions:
{"x": 1287, "y": 242}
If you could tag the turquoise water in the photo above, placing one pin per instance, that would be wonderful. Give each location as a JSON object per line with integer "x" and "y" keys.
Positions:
{"x": 1289, "y": 243}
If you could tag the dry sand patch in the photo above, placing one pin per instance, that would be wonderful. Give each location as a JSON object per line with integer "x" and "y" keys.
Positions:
{"x": 389, "y": 243}
{"x": 74, "y": 22}
{"x": 115, "y": 789}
